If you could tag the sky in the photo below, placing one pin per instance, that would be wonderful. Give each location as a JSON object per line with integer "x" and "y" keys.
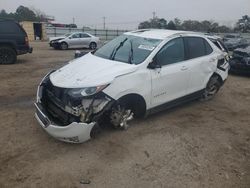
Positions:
{"x": 127, "y": 14}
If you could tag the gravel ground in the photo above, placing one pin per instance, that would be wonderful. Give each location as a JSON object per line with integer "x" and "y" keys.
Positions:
{"x": 199, "y": 144}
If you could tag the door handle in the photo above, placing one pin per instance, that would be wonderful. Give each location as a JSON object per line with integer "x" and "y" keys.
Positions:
{"x": 184, "y": 68}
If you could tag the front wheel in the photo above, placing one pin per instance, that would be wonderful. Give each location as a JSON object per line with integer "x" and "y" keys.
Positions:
{"x": 64, "y": 46}
{"x": 212, "y": 88}
{"x": 92, "y": 45}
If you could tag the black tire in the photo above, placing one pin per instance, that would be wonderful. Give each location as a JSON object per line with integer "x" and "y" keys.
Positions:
{"x": 7, "y": 55}
{"x": 213, "y": 86}
{"x": 63, "y": 46}
{"x": 92, "y": 46}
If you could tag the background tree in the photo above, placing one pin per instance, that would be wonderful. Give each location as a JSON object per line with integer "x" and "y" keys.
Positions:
{"x": 177, "y": 23}
{"x": 41, "y": 16}
{"x": 188, "y": 25}
{"x": 191, "y": 25}
{"x": 171, "y": 25}
{"x": 159, "y": 23}
{"x": 24, "y": 13}
{"x": 243, "y": 24}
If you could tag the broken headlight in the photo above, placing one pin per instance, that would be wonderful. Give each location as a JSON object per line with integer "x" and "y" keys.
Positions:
{"x": 84, "y": 92}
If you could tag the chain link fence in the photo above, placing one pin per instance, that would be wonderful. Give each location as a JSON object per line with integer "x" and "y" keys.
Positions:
{"x": 103, "y": 34}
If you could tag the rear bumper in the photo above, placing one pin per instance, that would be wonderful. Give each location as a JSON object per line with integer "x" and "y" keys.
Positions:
{"x": 222, "y": 70}
{"x": 24, "y": 50}
{"x": 72, "y": 133}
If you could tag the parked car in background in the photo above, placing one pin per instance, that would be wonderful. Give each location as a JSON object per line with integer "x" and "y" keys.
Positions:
{"x": 136, "y": 74}
{"x": 231, "y": 36}
{"x": 13, "y": 41}
{"x": 233, "y": 41}
{"x": 74, "y": 40}
{"x": 240, "y": 62}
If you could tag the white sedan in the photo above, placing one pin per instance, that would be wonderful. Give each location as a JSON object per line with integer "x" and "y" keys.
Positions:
{"x": 74, "y": 40}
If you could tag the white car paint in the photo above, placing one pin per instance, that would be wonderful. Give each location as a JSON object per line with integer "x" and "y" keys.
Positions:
{"x": 100, "y": 71}
{"x": 75, "y": 132}
{"x": 156, "y": 86}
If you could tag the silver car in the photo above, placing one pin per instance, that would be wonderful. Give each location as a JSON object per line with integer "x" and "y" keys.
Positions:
{"x": 75, "y": 40}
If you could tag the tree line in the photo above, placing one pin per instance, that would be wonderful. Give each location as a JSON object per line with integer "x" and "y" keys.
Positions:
{"x": 23, "y": 13}
{"x": 242, "y": 25}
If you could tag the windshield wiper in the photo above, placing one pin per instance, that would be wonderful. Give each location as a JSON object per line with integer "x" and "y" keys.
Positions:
{"x": 112, "y": 56}
{"x": 131, "y": 54}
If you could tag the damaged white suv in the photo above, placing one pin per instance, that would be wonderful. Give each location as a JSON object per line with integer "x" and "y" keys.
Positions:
{"x": 136, "y": 74}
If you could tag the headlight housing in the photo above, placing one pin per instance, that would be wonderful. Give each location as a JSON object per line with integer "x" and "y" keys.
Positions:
{"x": 85, "y": 92}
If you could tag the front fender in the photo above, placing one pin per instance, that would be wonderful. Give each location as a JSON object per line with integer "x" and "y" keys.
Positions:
{"x": 135, "y": 83}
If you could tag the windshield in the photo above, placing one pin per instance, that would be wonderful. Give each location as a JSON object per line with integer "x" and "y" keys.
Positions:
{"x": 128, "y": 49}
{"x": 66, "y": 35}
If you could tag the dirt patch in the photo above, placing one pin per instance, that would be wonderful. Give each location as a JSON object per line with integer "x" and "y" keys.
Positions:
{"x": 200, "y": 144}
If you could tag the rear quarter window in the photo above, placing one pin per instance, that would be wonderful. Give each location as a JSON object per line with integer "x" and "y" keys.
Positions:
{"x": 10, "y": 28}
{"x": 197, "y": 47}
{"x": 209, "y": 49}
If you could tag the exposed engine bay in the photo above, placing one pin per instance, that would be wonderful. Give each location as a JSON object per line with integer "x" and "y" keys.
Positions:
{"x": 63, "y": 108}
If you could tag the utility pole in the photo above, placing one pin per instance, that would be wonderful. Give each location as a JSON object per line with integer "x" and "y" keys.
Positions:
{"x": 73, "y": 20}
{"x": 154, "y": 15}
{"x": 104, "y": 22}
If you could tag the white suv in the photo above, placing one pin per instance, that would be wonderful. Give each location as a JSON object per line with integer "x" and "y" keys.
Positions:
{"x": 136, "y": 74}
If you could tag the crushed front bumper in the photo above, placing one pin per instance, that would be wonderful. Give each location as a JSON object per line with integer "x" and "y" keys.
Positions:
{"x": 54, "y": 44}
{"x": 72, "y": 133}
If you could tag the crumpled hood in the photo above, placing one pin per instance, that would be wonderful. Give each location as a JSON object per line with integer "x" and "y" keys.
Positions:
{"x": 56, "y": 38}
{"x": 89, "y": 71}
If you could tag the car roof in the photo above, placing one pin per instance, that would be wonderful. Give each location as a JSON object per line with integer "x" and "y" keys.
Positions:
{"x": 78, "y": 32}
{"x": 212, "y": 36}
{"x": 159, "y": 33}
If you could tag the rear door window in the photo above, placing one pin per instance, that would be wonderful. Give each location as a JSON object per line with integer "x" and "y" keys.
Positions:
{"x": 84, "y": 35}
{"x": 208, "y": 49}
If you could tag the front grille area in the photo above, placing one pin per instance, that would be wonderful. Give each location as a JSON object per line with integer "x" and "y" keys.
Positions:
{"x": 54, "y": 100}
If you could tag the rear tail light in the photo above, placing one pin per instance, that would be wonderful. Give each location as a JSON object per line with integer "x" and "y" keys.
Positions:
{"x": 220, "y": 62}
{"x": 26, "y": 41}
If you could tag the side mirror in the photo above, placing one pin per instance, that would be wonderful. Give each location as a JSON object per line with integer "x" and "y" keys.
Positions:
{"x": 70, "y": 37}
{"x": 154, "y": 65}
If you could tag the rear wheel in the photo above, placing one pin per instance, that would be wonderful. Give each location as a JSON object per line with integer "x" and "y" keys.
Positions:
{"x": 212, "y": 88}
{"x": 92, "y": 45}
{"x": 64, "y": 46}
{"x": 7, "y": 55}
